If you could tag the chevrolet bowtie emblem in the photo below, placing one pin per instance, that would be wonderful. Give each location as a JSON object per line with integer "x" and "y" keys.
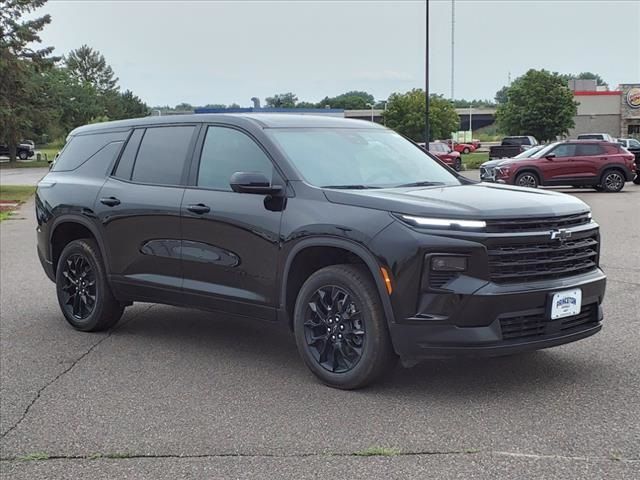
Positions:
{"x": 561, "y": 234}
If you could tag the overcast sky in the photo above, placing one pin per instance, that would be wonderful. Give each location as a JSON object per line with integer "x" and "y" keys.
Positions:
{"x": 202, "y": 52}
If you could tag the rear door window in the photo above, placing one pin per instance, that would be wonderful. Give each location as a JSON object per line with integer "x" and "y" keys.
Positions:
{"x": 162, "y": 155}
{"x": 81, "y": 148}
{"x": 588, "y": 150}
{"x": 125, "y": 165}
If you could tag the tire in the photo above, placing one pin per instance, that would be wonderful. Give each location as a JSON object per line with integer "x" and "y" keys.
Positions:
{"x": 96, "y": 310}
{"x": 23, "y": 155}
{"x": 612, "y": 181}
{"x": 466, "y": 150}
{"x": 351, "y": 349}
{"x": 527, "y": 179}
{"x": 636, "y": 180}
{"x": 598, "y": 188}
{"x": 457, "y": 165}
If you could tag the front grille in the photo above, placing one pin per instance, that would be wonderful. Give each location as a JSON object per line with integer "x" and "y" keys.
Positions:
{"x": 525, "y": 262}
{"x": 537, "y": 224}
{"x": 536, "y": 325}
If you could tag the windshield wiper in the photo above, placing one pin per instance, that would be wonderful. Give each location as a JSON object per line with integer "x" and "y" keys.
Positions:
{"x": 350, "y": 187}
{"x": 419, "y": 184}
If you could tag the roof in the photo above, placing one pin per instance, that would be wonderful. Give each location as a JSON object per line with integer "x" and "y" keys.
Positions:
{"x": 579, "y": 93}
{"x": 262, "y": 120}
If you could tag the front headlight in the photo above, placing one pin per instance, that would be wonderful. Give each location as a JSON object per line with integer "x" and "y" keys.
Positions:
{"x": 445, "y": 223}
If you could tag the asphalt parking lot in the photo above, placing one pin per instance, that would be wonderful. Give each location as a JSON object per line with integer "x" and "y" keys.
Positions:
{"x": 173, "y": 393}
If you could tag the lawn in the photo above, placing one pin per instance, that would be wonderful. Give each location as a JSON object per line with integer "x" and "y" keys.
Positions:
{"x": 13, "y": 194}
{"x": 472, "y": 161}
{"x": 21, "y": 164}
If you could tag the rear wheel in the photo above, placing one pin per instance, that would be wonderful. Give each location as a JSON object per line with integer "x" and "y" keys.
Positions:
{"x": 84, "y": 294}
{"x": 612, "y": 181}
{"x": 23, "y": 155}
{"x": 340, "y": 327}
{"x": 457, "y": 164}
{"x": 527, "y": 179}
{"x": 637, "y": 179}
{"x": 465, "y": 150}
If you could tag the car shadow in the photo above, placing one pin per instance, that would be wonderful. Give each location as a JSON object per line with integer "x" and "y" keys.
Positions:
{"x": 271, "y": 349}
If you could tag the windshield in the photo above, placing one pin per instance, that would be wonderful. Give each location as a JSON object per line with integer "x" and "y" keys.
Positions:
{"x": 359, "y": 158}
{"x": 530, "y": 152}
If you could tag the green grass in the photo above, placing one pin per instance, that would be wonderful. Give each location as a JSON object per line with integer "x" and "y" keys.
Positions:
{"x": 34, "y": 456}
{"x": 473, "y": 160}
{"x": 14, "y": 193}
{"x": 24, "y": 164}
{"x": 17, "y": 193}
{"x": 378, "y": 452}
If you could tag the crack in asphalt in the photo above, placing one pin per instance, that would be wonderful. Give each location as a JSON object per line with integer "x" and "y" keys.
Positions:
{"x": 126, "y": 456}
{"x": 68, "y": 369}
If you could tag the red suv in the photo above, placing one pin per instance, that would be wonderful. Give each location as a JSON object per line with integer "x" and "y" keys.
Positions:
{"x": 444, "y": 153}
{"x": 602, "y": 165}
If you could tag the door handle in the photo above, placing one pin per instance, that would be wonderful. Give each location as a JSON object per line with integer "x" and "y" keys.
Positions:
{"x": 110, "y": 201}
{"x": 199, "y": 208}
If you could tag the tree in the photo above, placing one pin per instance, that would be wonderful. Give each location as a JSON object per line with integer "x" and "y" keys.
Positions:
{"x": 462, "y": 103}
{"x": 282, "y": 100}
{"x": 501, "y": 95}
{"x": 306, "y": 105}
{"x": 406, "y": 114}
{"x": 87, "y": 65}
{"x": 20, "y": 67}
{"x": 592, "y": 76}
{"x": 540, "y": 104}
{"x": 353, "y": 100}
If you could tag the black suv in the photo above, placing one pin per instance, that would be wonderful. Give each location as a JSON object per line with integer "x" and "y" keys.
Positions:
{"x": 24, "y": 151}
{"x": 365, "y": 245}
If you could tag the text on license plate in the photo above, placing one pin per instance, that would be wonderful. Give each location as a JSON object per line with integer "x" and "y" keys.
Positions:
{"x": 566, "y": 303}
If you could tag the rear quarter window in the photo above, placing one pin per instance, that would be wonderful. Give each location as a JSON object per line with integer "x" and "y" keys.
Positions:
{"x": 81, "y": 148}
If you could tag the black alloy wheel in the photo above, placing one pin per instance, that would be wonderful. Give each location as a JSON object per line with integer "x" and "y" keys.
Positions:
{"x": 334, "y": 329}
{"x": 83, "y": 290}
{"x": 457, "y": 165}
{"x": 79, "y": 286}
{"x": 341, "y": 328}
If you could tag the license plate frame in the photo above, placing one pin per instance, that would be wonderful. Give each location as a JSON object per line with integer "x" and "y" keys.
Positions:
{"x": 565, "y": 303}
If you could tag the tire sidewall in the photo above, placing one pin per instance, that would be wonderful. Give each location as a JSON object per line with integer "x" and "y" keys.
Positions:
{"x": 84, "y": 248}
{"x": 373, "y": 319}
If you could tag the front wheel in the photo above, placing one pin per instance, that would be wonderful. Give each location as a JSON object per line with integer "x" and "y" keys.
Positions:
{"x": 23, "y": 155}
{"x": 84, "y": 294}
{"x": 612, "y": 181}
{"x": 637, "y": 179}
{"x": 527, "y": 179}
{"x": 340, "y": 327}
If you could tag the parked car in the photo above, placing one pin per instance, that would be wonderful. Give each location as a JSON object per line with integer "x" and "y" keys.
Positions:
{"x": 604, "y": 166}
{"x": 488, "y": 169}
{"x": 512, "y": 146}
{"x": 444, "y": 153}
{"x": 605, "y": 137}
{"x": 462, "y": 147}
{"x": 633, "y": 146}
{"x": 24, "y": 151}
{"x": 363, "y": 244}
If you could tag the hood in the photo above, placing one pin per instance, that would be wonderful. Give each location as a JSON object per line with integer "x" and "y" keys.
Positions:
{"x": 474, "y": 201}
{"x": 494, "y": 163}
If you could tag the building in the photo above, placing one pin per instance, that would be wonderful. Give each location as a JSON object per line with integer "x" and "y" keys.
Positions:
{"x": 615, "y": 112}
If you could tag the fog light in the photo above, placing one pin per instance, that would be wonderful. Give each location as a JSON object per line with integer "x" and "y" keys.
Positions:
{"x": 448, "y": 264}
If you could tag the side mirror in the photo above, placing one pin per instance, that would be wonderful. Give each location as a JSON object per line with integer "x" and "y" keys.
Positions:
{"x": 551, "y": 156}
{"x": 253, "y": 182}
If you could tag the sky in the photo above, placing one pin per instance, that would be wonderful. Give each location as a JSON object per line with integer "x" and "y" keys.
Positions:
{"x": 201, "y": 52}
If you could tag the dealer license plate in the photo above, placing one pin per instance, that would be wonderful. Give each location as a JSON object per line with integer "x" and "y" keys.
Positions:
{"x": 566, "y": 303}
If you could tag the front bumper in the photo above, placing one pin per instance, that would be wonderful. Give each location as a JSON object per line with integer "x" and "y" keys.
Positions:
{"x": 497, "y": 320}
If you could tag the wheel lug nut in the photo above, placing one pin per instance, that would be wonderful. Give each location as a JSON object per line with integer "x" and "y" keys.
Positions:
{"x": 341, "y": 327}
{"x": 333, "y": 337}
{"x": 328, "y": 329}
{"x": 339, "y": 335}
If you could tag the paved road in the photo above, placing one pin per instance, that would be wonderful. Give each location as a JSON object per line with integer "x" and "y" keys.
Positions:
{"x": 176, "y": 393}
{"x": 21, "y": 176}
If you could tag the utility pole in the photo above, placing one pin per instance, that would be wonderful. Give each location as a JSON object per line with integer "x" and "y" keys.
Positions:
{"x": 426, "y": 76}
{"x": 453, "y": 36}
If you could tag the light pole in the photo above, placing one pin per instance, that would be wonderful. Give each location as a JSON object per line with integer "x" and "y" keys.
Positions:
{"x": 371, "y": 105}
{"x": 426, "y": 75}
{"x": 470, "y": 123}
